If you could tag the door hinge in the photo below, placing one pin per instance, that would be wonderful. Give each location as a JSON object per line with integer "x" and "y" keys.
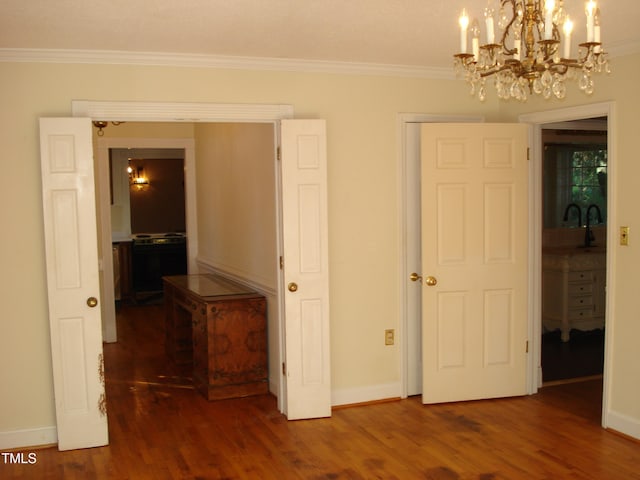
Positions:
{"x": 284, "y": 368}
{"x": 528, "y": 152}
{"x": 281, "y": 263}
{"x": 526, "y": 347}
{"x": 279, "y": 153}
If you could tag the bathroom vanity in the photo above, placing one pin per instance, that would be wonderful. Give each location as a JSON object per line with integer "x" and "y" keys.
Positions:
{"x": 573, "y": 289}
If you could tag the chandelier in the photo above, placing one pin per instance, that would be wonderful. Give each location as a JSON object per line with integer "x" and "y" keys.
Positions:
{"x": 527, "y": 57}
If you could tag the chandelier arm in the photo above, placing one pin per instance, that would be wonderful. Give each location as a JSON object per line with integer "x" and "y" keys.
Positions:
{"x": 589, "y": 50}
{"x": 562, "y": 68}
{"x": 495, "y": 70}
{"x": 507, "y": 29}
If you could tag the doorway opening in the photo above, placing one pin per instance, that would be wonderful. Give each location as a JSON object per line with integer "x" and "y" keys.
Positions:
{"x": 539, "y": 121}
{"x": 148, "y": 221}
{"x": 239, "y": 226}
{"x": 574, "y": 211}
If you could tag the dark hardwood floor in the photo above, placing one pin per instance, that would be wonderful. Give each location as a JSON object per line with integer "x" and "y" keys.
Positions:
{"x": 581, "y": 356}
{"x": 162, "y": 429}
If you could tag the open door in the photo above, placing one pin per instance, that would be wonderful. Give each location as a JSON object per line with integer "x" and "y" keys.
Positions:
{"x": 474, "y": 260}
{"x": 73, "y": 282}
{"x": 306, "y": 269}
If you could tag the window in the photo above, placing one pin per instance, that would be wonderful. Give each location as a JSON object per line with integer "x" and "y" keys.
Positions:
{"x": 574, "y": 174}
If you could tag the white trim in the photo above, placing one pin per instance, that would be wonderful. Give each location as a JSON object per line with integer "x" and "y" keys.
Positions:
{"x": 538, "y": 119}
{"x": 119, "y": 57}
{"x": 534, "y": 250}
{"x": 371, "y": 393}
{"x": 114, "y": 57}
{"x": 180, "y": 112}
{"x": 623, "y": 424}
{"x": 404, "y": 170}
{"x": 31, "y": 437}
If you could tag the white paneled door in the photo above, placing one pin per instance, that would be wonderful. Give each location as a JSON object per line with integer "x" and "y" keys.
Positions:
{"x": 73, "y": 281}
{"x": 306, "y": 268}
{"x": 474, "y": 261}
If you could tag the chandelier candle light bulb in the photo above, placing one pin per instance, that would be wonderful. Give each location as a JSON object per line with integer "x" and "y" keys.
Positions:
{"x": 464, "y": 24}
{"x": 488, "y": 15}
{"x": 549, "y": 6}
{"x": 567, "y": 28}
{"x": 523, "y": 57}
{"x": 590, "y": 11}
{"x": 596, "y": 29}
{"x": 475, "y": 39}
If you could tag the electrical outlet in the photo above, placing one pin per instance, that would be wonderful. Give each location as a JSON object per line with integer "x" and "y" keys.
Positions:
{"x": 389, "y": 337}
{"x": 624, "y": 235}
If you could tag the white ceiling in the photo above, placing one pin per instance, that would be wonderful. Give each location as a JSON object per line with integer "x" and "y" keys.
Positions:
{"x": 417, "y": 33}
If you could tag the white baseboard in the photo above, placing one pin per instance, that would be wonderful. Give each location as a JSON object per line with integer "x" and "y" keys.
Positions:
{"x": 623, "y": 424}
{"x": 370, "y": 393}
{"x": 32, "y": 437}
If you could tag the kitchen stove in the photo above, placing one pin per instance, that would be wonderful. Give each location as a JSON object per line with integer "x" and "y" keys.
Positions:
{"x": 158, "y": 238}
{"x": 155, "y": 255}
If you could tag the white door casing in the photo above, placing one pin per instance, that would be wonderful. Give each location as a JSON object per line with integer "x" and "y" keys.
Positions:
{"x": 474, "y": 240}
{"x": 103, "y": 175}
{"x": 73, "y": 282}
{"x": 306, "y": 268}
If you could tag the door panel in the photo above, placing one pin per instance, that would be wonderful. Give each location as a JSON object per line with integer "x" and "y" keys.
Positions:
{"x": 474, "y": 234}
{"x": 73, "y": 281}
{"x": 306, "y": 268}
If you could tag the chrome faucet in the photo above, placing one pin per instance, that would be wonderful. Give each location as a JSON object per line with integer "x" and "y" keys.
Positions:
{"x": 566, "y": 213}
{"x": 588, "y": 233}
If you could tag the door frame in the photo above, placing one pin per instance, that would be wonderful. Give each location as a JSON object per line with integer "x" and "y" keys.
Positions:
{"x": 409, "y": 167}
{"x": 109, "y": 330}
{"x": 177, "y": 112}
{"x": 537, "y": 121}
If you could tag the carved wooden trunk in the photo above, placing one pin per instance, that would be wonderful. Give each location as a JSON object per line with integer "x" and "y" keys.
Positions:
{"x": 221, "y": 327}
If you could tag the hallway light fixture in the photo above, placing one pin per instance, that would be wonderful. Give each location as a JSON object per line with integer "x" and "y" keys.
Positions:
{"x": 526, "y": 57}
{"x": 137, "y": 178}
{"x": 101, "y": 125}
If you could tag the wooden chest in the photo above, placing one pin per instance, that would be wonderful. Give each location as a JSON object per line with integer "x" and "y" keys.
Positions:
{"x": 220, "y": 326}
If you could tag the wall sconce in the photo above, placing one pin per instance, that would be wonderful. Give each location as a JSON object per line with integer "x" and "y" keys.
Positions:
{"x": 137, "y": 177}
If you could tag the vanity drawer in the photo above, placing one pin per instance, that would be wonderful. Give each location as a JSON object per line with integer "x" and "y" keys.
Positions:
{"x": 580, "y": 289}
{"x": 581, "y": 276}
{"x": 580, "y": 301}
{"x": 580, "y": 313}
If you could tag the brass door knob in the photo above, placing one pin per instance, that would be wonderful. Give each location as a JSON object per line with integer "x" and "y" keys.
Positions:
{"x": 92, "y": 301}
{"x": 293, "y": 287}
{"x": 414, "y": 277}
{"x": 431, "y": 281}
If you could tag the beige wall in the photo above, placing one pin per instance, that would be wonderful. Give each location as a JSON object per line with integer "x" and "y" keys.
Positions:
{"x": 361, "y": 114}
{"x": 236, "y": 191}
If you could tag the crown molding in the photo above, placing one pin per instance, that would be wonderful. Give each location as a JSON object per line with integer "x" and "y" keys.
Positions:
{"x": 113, "y": 57}
{"x": 118, "y": 57}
